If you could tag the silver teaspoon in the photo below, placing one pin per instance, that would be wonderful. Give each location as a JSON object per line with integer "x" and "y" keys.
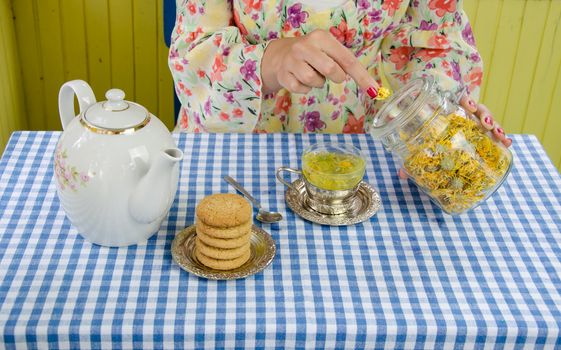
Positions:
{"x": 264, "y": 216}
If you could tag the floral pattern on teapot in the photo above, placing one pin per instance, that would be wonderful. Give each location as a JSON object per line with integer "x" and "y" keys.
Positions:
{"x": 67, "y": 175}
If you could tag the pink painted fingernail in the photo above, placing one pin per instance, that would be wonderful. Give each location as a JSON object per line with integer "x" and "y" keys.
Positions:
{"x": 488, "y": 120}
{"x": 507, "y": 142}
{"x": 372, "y": 92}
{"x": 499, "y": 133}
{"x": 472, "y": 104}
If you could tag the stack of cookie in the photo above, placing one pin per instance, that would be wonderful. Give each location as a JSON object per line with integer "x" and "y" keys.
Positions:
{"x": 223, "y": 226}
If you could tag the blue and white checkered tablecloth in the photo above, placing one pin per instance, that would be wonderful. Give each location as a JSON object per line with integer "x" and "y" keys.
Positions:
{"x": 410, "y": 277}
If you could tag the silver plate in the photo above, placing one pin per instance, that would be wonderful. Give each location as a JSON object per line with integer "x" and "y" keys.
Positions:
{"x": 365, "y": 204}
{"x": 262, "y": 245}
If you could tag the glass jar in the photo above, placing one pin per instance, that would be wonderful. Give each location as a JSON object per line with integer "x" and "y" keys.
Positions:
{"x": 443, "y": 148}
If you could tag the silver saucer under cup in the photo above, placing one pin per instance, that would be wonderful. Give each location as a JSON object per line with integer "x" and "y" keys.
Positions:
{"x": 362, "y": 207}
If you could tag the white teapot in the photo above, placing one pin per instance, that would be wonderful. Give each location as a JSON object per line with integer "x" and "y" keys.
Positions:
{"x": 116, "y": 167}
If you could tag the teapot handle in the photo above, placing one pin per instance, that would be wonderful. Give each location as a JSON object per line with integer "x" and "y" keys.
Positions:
{"x": 66, "y": 94}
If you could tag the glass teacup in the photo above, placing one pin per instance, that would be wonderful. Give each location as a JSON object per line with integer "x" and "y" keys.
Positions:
{"x": 331, "y": 173}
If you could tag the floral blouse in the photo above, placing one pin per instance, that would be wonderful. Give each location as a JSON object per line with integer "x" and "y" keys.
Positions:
{"x": 217, "y": 47}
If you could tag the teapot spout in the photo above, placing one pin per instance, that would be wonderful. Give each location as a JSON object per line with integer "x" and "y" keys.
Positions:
{"x": 154, "y": 193}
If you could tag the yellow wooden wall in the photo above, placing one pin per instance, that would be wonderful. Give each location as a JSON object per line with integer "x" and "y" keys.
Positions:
{"x": 520, "y": 41}
{"x": 108, "y": 43}
{"x": 119, "y": 43}
{"x": 12, "y": 114}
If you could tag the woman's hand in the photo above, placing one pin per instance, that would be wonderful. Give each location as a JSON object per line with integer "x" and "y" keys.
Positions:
{"x": 302, "y": 63}
{"x": 485, "y": 118}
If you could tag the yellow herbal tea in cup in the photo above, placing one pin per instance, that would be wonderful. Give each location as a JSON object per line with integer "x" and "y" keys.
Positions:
{"x": 333, "y": 171}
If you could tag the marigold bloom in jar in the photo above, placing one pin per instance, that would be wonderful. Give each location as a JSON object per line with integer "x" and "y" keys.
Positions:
{"x": 443, "y": 148}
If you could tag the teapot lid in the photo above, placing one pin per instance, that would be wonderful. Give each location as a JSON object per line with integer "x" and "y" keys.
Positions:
{"x": 116, "y": 116}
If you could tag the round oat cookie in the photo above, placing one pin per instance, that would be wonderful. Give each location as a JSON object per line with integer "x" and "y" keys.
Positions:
{"x": 224, "y": 210}
{"x": 220, "y": 253}
{"x": 229, "y": 243}
{"x": 222, "y": 264}
{"x": 224, "y": 233}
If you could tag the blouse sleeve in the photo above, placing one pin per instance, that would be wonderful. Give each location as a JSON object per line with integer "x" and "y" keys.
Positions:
{"x": 434, "y": 38}
{"x": 215, "y": 69}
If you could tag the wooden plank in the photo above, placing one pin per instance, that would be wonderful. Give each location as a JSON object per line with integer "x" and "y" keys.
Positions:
{"x": 6, "y": 112}
{"x": 551, "y": 139}
{"x": 165, "y": 82}
{"x": 122, "y": 46}
{"x": 499, "y": 67}
{"x": 544, "y": 77}
{"x": 552, "y": 129}
{"x": 470, "y": 8}
{"x": 98, "y": 46}
{"x": 9, "y": 105}
{"x": 18, "y": 118}
{"x": 535, "y": 15}
{"x": 74, "y": 40}
{"x": 485, "y": 28}
{"x": 4, "y": 130}
{"x": 50, "y": 37}
{"x": 145, "y": 53}
{"x": 30, "y": 55}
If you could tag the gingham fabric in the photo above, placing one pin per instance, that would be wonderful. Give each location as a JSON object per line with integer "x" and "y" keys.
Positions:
{"x": 411, "y": 277}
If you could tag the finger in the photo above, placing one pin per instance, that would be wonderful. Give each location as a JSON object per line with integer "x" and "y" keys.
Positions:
{"x": 289, "y": 82}
{"x": 324, "y": 64}
{"x": 485, "y": 117}
{"x": 468, "y": 103}
{"x": 306, "y": 74}
{"x": 328, "y": 68}
{"x": 488, "y": 123}
{"x": 346, "y": 60}
{"x": 499, "y": 133}
{"x": 402, "y": 174}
